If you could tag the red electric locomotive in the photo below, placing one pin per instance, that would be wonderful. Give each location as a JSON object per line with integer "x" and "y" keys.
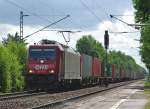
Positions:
{"x": 43, "y": 64}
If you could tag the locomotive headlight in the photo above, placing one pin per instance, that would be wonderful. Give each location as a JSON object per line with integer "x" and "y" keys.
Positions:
{"x": 41, "y": 61}
{"x": 51, "y": 71}
{"x": 30, "y": 71}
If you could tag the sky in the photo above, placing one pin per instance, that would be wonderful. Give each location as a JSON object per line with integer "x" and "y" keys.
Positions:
{"x": 88, "y": 16}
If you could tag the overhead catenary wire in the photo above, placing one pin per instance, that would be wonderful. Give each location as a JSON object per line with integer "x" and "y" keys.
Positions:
{"x": 111, "y": 16}
{"x": 70, "y": 20}
{"x": 92, "y": 12}
{"x": 62, "y": 13}
{"x": 89, "y": 10}
{"x": 46, "y": 26}
{"x": 49, "y": 7}
{"x": 102, "y": 9}
{"x": 26, "y": 10}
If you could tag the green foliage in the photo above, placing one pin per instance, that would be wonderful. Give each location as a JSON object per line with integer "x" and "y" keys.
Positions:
{"x": 88, "y": 45}
{"x": 12, "y": 64}
{"x": 18, "y": 49}
{"x": 145, "y": 45}
{"x": 15, "y": 38}
{"x": 143, "y": 16}
{"x": 147, "y": 83}
{"x": 147, "y": 92}
{"x": 127, "y": 62}
{"x": 5, "y": 70}
{"x": 10, "y": 71}
{"x": 16, "y": 73}
{"x": 147, "y": 105}
{"x": 17, "y": 46}
{"x": 142, "y": 10}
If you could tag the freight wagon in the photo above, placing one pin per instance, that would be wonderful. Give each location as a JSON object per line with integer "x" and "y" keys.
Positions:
{"x": 86, "y": 69}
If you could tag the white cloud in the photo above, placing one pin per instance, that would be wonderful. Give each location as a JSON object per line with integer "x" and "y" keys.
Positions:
{"x": 122, "y": 42}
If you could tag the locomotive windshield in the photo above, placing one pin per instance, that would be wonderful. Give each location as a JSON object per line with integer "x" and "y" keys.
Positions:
{"x": 48, "y": 53}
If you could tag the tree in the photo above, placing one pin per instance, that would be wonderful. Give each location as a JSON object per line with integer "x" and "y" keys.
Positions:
{"x": 88, "y": 45}
{"x": 127, "y": 62}
{"x": 18, "y": 49}
{"x": 15, "y": 38}
{"x": 142, "y": 15}
{"x": 145, "y": 45}
{"x": 5, "y": 75}
{"x": 12, "y": 63}
{"x": 142, "y": 10}
{"x": 10, "y": 71}
{"x": 17, "y": 46}
{"x": 18, "y": 52}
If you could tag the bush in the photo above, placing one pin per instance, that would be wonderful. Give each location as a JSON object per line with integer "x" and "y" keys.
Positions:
{"x": 18, "y": 49}
{"x": 10, "y": 71}
{"x": 5, "y": 70}
{"x": 147, "y": 83}
{"x": 16, "y": 74}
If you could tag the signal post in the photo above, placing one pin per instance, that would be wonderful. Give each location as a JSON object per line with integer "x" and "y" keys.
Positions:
{"x": 106, "y": 44}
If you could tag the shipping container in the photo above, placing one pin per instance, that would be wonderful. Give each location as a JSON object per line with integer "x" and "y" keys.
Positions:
{"x": 109, "y": 68}
{"x": 112, "y": 71}
{"x": 86, "y": 66}
{"x": 140, "y": 75}
{"x": 127, "y": 74}
{"x": 71, "y": 64}
{"x": 120, "y": 72}
{"x": 123, "y": 72}
{"x": 132, "y": 75}
{"x": 116, "y": 74}
{"x": 96, "y": 67}
{"x": 103, "y": 69}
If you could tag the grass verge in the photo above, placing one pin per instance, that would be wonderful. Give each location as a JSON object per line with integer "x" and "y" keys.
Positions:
{"x": 147, "y": 91}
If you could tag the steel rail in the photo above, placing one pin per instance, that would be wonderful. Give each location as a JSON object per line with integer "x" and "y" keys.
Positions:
{"x": 19, "y": 95}
{"x": 16, "y": 93}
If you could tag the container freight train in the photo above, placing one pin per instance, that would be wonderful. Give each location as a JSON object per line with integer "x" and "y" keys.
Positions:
{"x": 56, "y": 65}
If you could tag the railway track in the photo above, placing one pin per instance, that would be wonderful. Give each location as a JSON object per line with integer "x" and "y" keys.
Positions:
{"x": 47, "y": 100}
{"x": 16, "y": 93}
{"x": 62, "y": 101}
{"x": 10, "y": 96}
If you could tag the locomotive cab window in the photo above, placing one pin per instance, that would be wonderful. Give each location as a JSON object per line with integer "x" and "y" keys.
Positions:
{"x": 48, "y": 53}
